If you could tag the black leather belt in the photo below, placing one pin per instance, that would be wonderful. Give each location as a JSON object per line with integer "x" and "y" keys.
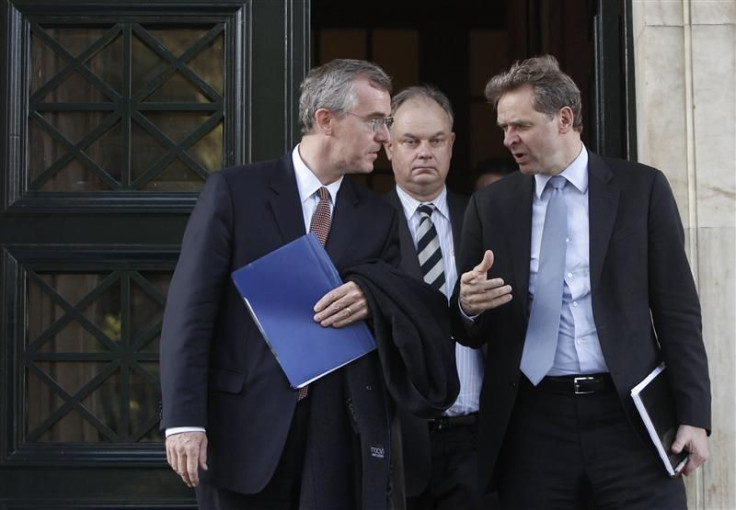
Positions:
{"x": 450, "y": 422}
{"x": 589, "y": 384}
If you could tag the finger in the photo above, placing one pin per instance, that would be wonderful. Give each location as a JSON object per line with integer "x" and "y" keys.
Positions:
{"x": 348, "y": 299}
{"x": 203, "y": 455}
{"x": 480, "y": 271}
{"x": 475, "y": 304}
{"x": 484, "y": 286}
{"x": 330, "y": 298}
{"x": 333, "y": 312}
{"x": 677, "y": 445}
{"x": 174, "y": 454}
{"x": 347, "y": 315}
{"x": 169, "y": 454}
{"x": 689, "y": 467}
{"x": 485, "y": 264}
{"x": 487, "y": 292}
{"x": 192, "y": 472}
{"x": 340, "y": 321}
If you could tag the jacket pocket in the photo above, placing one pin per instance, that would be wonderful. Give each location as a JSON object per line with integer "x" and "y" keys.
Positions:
{"x": 226, "y": 380}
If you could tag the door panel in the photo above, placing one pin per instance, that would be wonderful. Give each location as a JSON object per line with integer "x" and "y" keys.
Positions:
{"x": 115, "y": 115}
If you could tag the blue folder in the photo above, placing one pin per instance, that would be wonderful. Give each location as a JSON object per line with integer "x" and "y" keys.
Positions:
{"x": 280, "y": 290}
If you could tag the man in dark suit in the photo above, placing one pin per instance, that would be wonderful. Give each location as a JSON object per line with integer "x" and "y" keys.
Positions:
{"x": 558, "y": 426}
{"x": 235, "y": 429}
{"x": 440, "y": 455}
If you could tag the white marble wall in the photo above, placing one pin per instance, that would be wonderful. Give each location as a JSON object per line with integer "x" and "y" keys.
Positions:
{"x": 685, "y": 58}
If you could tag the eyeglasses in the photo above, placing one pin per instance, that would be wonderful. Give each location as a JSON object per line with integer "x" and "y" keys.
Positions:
{"x": 375, "y": 123}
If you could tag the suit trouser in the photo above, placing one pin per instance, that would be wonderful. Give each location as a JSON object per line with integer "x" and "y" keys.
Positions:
{"x": 453, "y": 482}
{"x": 572, "y": 452}
{"x": 282, "y": 491}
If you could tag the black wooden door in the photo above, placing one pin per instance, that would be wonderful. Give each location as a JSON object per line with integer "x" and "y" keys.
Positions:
{"x": 113, "y": 114}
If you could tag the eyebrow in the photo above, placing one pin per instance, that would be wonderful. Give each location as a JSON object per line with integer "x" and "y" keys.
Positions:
{"x": 438, "y": 133}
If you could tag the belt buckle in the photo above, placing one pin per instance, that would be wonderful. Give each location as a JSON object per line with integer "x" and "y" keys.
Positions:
{"x": 576, "y": 385}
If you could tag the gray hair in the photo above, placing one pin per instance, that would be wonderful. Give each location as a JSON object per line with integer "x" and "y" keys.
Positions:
{"x": 425, "y": 91}
{"x": 553, "y": 89}
{"x": 331, "y": 86}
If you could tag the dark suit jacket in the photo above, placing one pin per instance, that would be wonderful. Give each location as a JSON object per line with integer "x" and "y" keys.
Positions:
{"x": 414, "y": 431}
{"x": 637, "y": 265}
{"x": 216, "y": 370}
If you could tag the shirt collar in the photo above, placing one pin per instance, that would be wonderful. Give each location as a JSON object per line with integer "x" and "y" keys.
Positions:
{"x": 307, "y": 182}
{"x": 410, "y": 204}
{"x": 576, "y": 174}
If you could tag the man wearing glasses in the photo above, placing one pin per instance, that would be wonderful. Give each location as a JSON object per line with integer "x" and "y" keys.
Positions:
{"x": 235, "y": 429}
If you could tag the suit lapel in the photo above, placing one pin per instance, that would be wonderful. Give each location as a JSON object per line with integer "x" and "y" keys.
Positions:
{"x": 344, "y": 219}
{"x": 457, "y": 206}
{"x": 603, "y": 199}
{"x": 409, "y": 260}
{"x": 285, "y": 204}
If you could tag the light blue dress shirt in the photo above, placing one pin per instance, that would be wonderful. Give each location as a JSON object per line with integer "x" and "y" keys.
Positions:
{"x": 578, "y": 347}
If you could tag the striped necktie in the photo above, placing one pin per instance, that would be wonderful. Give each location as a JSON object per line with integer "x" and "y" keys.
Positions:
{"x": 428, "y": 248}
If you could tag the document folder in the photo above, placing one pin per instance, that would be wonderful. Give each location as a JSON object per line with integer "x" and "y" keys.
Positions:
{"x": 656, "y": 405}
{"x": 280, "y": 290}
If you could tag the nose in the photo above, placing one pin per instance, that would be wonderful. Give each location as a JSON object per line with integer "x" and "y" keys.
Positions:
{"x": 424, "y": 151}
{"x": 509, "y": 138}
{"x": 383, "y": 134}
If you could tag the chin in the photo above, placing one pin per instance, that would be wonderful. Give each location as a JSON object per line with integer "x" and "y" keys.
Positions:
{"x": 364, "y": 169}
{"x": 527, "y": 170}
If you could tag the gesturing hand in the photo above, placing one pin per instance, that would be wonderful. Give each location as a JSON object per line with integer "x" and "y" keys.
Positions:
{"x": 478, "y": 293}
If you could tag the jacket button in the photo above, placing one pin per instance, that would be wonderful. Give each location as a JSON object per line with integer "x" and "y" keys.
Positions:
{"x": 512, "y": 384}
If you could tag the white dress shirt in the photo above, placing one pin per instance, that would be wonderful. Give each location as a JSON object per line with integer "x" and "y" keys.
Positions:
{"x": 469, "y": 361}
{"x": 578, "y": 347}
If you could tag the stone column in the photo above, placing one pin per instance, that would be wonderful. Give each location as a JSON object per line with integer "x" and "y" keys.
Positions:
{"x": 685, "y": 64}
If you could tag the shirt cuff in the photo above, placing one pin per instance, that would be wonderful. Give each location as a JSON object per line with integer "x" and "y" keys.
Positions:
{"x": 178, "y": 430}
{"x": 469, "y": 319}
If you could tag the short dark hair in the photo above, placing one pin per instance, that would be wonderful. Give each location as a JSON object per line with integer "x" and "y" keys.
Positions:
{"x": 330, "y": 86}
{"x": 425, "y": 91}
{"x": 553, "y": 89}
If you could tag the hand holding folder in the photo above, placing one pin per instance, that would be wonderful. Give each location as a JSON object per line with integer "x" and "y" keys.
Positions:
{"x": 656, "y": 405}
{"x": 280, "y": 290}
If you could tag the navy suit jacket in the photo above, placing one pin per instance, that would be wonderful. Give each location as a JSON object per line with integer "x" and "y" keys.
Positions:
{"x": 217, "y": 371}
{"x": 414, "y": 432}
{"x": 645, "y": 305}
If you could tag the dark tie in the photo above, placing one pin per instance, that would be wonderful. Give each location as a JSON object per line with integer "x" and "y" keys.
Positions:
{"x": 319, "y": 226}
{"x": 544, "y": 320}
{"x": 428, "y": 248}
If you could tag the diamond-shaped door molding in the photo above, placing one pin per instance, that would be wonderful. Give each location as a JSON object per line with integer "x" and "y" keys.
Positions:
{"x": 91, "y": 356}
{"x": 125, "y": 107}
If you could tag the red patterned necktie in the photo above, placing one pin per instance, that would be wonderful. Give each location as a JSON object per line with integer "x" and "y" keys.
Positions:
{"x": 319, "y": 226}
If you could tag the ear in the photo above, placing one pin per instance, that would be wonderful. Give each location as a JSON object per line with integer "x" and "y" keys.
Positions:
{"x": 323, "y": 121}
{"x": 566, "y": 119}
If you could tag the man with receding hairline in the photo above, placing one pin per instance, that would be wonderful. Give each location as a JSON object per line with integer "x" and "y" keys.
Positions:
{"x": 440, "y": 454}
